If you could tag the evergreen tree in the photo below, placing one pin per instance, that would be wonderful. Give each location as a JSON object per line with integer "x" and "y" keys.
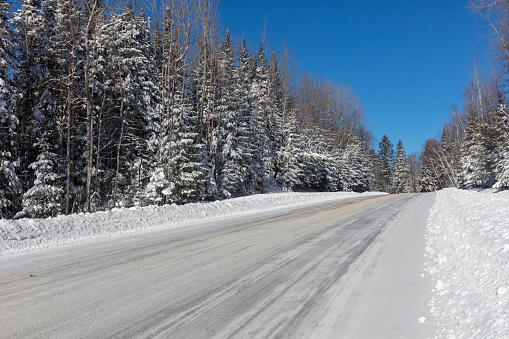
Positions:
{"x": 10, "y": 185}
{"x": 205, "y": 83}
{"x": 44, "y": 198}
{"x": 447, "y": 158}
{"x": 230, "y": 175}
{"x": 289, "y": 157}
{"x": 262, "y": 161}
{"x": 320, "y": 167}
{"x": 358, "y": 176}
{"x": 428, "y": 177}
{"x": 275, "y": 107}
{"x": 65, "y": 43}
{"x": 502, "y": 168}
{"x": 30, "y": 77}
{"x": 188, "y": 174}
{"x": 473, "y": 156}
{"x": 133, "y": 92}
{"x": 243, "y": 80}
{"x": 400, "y": 171}
{"x": 100, "y": 110}
{"x": 385, "y": 161}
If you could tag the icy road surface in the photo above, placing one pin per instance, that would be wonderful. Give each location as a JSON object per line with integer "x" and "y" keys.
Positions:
{"x": 338, "y": 270}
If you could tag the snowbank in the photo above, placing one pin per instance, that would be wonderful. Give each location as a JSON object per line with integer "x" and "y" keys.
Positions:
{"x": 468, "y": 248}
{"x": 33, "y": 234}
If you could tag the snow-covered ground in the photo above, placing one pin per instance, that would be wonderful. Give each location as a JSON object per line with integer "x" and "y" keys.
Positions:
{"x": 467, "y": 246}
{"x": 33, "y": 234}
{"x": 468, "y": 250}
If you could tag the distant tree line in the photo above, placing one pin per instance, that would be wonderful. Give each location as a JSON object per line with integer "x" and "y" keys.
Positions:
{"x": 473, "y": 148}
{"x": 102, "y": 106}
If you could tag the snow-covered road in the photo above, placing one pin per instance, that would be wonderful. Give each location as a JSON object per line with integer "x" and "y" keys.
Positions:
{"x": 340, "y": 269}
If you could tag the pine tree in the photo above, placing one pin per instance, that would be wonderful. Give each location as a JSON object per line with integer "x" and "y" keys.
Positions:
{"x": 357, "y": 174}
{"x": 188, "y": 181}
{"x": 29, "y": 79}
{"x": 10, "y": 185}
{"x": 230, "y": 147}
{"x": 244, "y": 78}
{"x": 289, "y": 157}
{"x": 447, "y": 160}
{"x": 385, "y": 161}
{"x": 205, "y": 87}
{"x": 321, "y": 171}
{"x": 502, "y": 168}
{"x": 428, "y": 179}
{"x": 335, "y": 171}
{"x": 44, "y": 198}
{"x": 473, "y": 156}
{"x": 400, "y": 171}
{"x": 262, "y": 161}
{"x": 65, "y": 42}
{"x": 275, "y": 104}
{"x": 133, "y": 90}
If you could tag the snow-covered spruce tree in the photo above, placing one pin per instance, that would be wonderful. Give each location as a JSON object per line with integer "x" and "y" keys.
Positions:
{"x": 385, "y": 161}
{"x": 102, "y": 78}
{"x": 205, "y": 87}
{"x": 334, "y": 166}
{"x": 244, "y": 76}
{"x": 375, "y": 170}
{"x": 357, "y": 175}
{"x": 289, "y": 162}
{"x": 262, "y": 161}
{"x": 187, "y": 178}
{"x": 400, "y": 171}
{"x": 447, "y": 160}
{"x": 502, "y": 168}
{"x": 65, "y": 54}
{"x": 188, "y": 182}
{"x": 29, "y": 79}
{"x": 428, "y": 179}
{"x": 10, "y": 185}
{"x": 230, "y": 147}
{"x": 473, "y": 156}
{"x": 168, "y": 67}
{"x": 494, "y": 130}
{"x": 318, "y": 164}
{"x": 275, "y": 105}
{"x": 43, "y": 199}
{"x": 41, "y": 107}
{"x": 148, "y": 94}
{"x": 133, "y": 92}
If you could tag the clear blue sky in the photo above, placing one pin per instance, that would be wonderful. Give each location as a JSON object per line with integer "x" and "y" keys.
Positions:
{"x": 408, "y": 61}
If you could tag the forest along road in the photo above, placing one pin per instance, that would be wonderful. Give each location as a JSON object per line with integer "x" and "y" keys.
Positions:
{"x": 338, "y": 270}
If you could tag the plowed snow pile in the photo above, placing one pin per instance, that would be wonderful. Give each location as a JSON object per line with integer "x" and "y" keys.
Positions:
{"x": 33, "y": 234}
{"x": 468, "y": 251}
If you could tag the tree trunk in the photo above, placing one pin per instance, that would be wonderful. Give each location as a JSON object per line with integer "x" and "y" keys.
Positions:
{"x": 89, "y": 148}
{"x": 118, "y": 148}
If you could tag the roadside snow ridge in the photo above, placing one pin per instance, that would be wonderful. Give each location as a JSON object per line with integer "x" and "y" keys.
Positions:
{"x": 34, "y": 234}
{"x": 467, "y": 246}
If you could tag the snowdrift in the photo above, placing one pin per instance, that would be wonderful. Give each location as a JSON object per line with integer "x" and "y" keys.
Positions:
{"x": 468, "y": 248}
{"x": 33, "y": 234}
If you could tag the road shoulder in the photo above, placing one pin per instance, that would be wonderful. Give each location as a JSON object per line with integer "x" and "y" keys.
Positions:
{"x": 386, "y": 293}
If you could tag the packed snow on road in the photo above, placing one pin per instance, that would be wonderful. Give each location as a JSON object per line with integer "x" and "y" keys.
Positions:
{"x": 467, "y": 247}
{"x": 33, "y": 234}
{"x": 468, "y": 250}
